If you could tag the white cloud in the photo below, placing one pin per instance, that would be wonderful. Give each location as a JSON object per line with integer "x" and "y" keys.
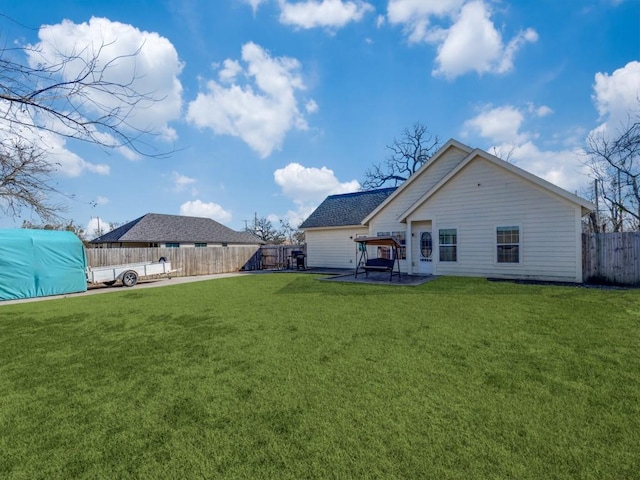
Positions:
{"x": 100, "y": 200}
{"x": 617, "y": 96}
{"x": 560, "y": 167}
{"x": 296, "y": 217}
{"x": 502, "y": 126}
{"x": 380, "y": 21}
{"x": 96, "y": 227}
{"x": 311, "y": 106}
{"x": 260, "y": 112}
{"x": 506, "y": 63}
{"x": 473, "y": 44}
{"x": 229, "y": 71}
{"x": 68, "y": 163}
{"x": 499, "y": 125}
{"x": 181, "y": 181}
{"x": 416, "y": 16}
{"x": 143, "y": 61}
{"x": 307, "y": 187}
{"x": 53, "y": 146}
{"x": 324, "y": 13}
{"x": 254, "y": 4}
{"x": 541, "y": 111}
{"x": 310, "y": 184}
{"x": 198, "y": 208}
{"x": 470, "y": 43}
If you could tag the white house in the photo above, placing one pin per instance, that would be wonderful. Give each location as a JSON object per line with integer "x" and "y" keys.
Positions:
{"x": 465, "y": 212}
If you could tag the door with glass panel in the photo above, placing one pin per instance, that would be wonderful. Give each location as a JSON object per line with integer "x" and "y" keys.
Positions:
{"x": 425, "y": 256}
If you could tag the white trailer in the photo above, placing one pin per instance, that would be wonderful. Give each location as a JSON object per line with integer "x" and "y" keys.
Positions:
{"x": 128, "y": 273}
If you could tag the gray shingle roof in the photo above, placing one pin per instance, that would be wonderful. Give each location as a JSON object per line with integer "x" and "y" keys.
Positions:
{"x": 346, "y": 209}
{"x": 156, "y": 227}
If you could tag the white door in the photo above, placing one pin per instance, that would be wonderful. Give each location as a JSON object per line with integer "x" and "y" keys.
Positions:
{"x": 425, "y": 256}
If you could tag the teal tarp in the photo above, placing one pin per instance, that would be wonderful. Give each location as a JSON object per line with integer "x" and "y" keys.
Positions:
{"x": 38, "y": 263}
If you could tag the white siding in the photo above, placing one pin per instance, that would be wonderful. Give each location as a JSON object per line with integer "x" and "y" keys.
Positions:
{"x": 387, "y": 218}
{"x": 333, "y": 247}
{"x": 484, "y": 196}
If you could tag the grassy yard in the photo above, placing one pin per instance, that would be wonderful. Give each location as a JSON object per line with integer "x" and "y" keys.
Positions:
{"x": 285, "y": 376}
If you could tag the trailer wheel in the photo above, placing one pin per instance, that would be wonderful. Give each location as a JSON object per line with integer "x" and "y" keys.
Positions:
{"x": 129, "y": 278}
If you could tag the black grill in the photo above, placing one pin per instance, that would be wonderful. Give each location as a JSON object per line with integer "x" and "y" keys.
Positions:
{"x": 297, "y": 257}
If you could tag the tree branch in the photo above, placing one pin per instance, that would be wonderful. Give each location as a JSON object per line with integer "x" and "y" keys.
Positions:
{"x": 414, "y": 149}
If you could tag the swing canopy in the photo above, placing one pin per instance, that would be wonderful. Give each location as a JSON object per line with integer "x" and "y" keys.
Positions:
{"x": 379, "y": 241}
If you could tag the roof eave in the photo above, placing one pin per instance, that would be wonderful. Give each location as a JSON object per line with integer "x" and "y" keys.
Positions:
{"x": 331, "y": 227}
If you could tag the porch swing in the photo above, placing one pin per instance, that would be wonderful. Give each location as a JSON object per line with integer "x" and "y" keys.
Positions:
{"x": 380, "y": 264}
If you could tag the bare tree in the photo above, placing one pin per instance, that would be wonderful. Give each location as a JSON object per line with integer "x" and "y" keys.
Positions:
{"x": 293, "y": 235}
{"x": 264, "y": 230}
{"x": 87, "y": 107}
{"x": 68, "y": 226}
{"x": 43, "y": 98}
{"x": 504, "y": 152}
{"x": 615, "y": 166}
{"x": 25, "y": 182}
{"x": 408, "y": 154}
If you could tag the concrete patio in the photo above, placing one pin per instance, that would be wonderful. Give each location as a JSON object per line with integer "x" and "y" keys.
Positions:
{"x": 374, "y": 278}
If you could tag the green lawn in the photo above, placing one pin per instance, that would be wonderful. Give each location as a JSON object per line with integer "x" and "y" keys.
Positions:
{"x": 285, "y": 376}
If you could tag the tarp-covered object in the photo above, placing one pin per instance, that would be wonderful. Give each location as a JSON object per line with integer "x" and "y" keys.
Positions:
{"x": 38, "y": 263}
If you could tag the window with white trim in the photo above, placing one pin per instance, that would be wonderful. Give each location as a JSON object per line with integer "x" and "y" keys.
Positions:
{"x": 387, "y": 252}
{"x": 402, "y": 240}
{"x": 448, "y": 244}
{"x": 426, "y": 247}
{"x": 508, "y": 244}
{"x": 384, "y": 251}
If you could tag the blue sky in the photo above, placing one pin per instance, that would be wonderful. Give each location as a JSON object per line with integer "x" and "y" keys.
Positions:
{"x": 270, "y": 105}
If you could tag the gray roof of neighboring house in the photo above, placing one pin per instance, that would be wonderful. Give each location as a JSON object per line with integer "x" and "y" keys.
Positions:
{"x": 156, "y": 227}
{"x": 346, "y": 209}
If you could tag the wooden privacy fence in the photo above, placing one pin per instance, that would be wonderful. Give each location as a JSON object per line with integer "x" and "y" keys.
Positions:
{"x": 275, "y": 257}
{"x": 611, "y": 258}
{"x": 201, "y": 261}
{"x": 189, "y": 261}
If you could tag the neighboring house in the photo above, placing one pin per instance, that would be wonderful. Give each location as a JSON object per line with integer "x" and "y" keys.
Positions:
{"x": 465, "y": 212}
{"x": 158, "y": 230}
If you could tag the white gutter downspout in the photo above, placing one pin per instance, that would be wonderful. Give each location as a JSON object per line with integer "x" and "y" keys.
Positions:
{"x": 409, "y": 249}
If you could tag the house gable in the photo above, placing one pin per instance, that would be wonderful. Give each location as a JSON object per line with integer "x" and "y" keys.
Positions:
{"x": 476, "y": 154}
{"x": 438, "y": 166}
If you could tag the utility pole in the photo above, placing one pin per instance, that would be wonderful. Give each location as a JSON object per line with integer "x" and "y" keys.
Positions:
{"x": 595, "y": 188}
{"x": 99, "y": 230}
